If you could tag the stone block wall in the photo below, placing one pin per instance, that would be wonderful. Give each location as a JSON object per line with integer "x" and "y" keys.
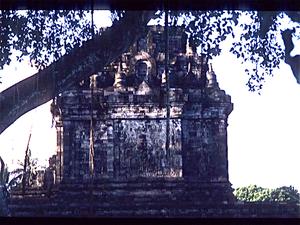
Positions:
{"x": 135, "y": 175}
{"x": 130, "y": 117}
{"x": 130, "y": 137}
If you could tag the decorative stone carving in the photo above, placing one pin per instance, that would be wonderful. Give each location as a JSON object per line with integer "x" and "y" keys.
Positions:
{"x": 132, "y": 163}
{"x": 120, "y": 78}
{"x": 189, "y": 50}
{"x": 93, "y": 81}
{"x": 144, "y": 89}
{"x": 130, "y": 125}
{"x": 211, "y": 77}
{"x": 140, "y": 149}
{"x": 143, "y": 67}
{"x": 163, "y": 79}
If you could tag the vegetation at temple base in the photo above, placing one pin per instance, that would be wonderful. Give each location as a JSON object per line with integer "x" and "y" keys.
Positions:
{"x": 253, "y": 193}
{"x": 9, "y": 180}
{"x": 15, "y": 177}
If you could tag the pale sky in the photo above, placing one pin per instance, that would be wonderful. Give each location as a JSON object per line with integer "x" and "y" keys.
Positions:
{"x": 263, "y": 131}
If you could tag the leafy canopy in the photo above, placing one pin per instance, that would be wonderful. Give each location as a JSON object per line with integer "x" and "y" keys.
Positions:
{"x": 45, "y": 36}
{"x": 257, "y": 44}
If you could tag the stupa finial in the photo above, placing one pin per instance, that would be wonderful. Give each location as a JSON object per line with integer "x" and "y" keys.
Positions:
{"x": 210, "y": 68}
{"x": 189, "y": 49}
{"x": 211, "y": 77}
{"x": 120, "y": 77}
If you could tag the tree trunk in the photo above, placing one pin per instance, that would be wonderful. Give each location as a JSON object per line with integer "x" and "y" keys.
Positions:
{"x": 3, "y": 205}
{"x": 80, "y": 63}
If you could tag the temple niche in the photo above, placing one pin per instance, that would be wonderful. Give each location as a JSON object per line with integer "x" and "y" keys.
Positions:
{"x": 130, "y": 118}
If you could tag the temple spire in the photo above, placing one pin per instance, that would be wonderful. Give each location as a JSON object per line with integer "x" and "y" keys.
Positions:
{"x": 211, "y": 77}
{"x": 189, "y": 49}
{"x": 120, "y": 77}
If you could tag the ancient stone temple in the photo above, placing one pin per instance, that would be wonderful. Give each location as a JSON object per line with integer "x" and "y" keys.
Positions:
{"x": 124, "y": 149}
{"x": 128, "y": 104}
{"x": 130, "y": 117}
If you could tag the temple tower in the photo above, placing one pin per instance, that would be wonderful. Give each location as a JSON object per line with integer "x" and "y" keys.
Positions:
{"x": 124, "y": 108}
{"x": 128, "y": 99}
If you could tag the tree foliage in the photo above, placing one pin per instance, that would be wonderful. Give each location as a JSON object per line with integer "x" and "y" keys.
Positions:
{"x": 46, "y": 36}
{"x": 42, "y": 35}
{"x": 253, "y": 193}
{"x": 207, "y": 29}
{"x": 14, "y": 178}
{"x": 80, "y": 63}
{"x": 9, "y": 180}
{"x": 30, "y": 172}
{"x": 259, "y": 46}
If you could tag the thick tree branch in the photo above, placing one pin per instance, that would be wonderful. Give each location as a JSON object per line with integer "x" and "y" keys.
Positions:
{"x": 78, "y": 64}
{"x": 292, "y": 61}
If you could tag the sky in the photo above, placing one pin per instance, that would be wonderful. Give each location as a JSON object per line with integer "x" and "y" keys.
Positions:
{"x": 263, "y": 130}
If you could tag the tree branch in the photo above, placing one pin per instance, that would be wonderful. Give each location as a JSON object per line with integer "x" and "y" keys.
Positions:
{"x": 78, "y": 64}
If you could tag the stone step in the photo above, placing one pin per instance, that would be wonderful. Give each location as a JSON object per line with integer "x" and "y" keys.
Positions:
{"x": 120, "y": 198}
{"x": 156, "y": 209}
{"x": 105, "y": 209}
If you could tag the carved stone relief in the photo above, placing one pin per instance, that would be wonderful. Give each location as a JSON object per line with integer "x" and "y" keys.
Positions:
{"x": 140, "y": 149}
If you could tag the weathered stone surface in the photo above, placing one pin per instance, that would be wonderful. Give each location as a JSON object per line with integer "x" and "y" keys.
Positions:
{"x": 135, "y": 117}
{"x": 135, "y": 175}
{"x": 146, "y": 198}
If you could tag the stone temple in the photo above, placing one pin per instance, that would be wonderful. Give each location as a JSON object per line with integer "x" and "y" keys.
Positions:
{"x": 130, "y": 122}
{"x": 130, "y": 118}
{"x": 144, "y": 161}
